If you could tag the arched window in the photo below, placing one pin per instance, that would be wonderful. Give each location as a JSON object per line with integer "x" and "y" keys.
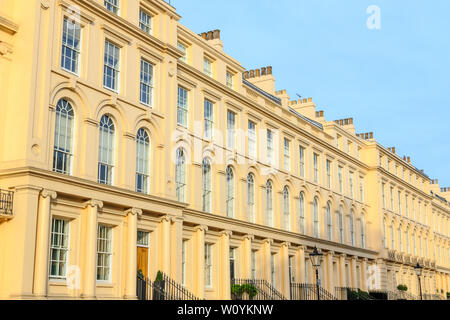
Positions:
{"x": 62, "y": 150}
{"x": 286, "y": 209}
{"x": 341, "y": 224}
{"x": 316, "y": 218}
{"x": 329, "y": 222}
{"x": 106, "y": 151}
{"x": 230, "y": 192}
{"x": 142, "y": 161}
{"x": 414, "y": 243}
{"x": 408, "y": 248}
{"x": 384, "y": 234}
{"x": 302, "y": 212}
{"x": 392, "y": 237}
{"x": 400, "y": 244}
{"x": 269, "y": 203}
{"x": 420, "y": 247}
{"x": 251, "y": 197}
{"x": 206, "y": 185}
{"x": 180, "y": 175}
{"x": 351, "y": 227}
{"x": 362, "y": 231}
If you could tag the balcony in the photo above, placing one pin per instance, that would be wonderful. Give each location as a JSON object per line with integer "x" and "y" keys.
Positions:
{"x": 6, "y": 204}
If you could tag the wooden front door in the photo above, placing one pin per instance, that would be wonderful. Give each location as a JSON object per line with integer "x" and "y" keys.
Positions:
{"x": 142, "y": 260}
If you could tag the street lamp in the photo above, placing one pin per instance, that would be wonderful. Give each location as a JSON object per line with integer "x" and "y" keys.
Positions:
{"x": 316, "y": 261}
{"x": 418, "y": 270}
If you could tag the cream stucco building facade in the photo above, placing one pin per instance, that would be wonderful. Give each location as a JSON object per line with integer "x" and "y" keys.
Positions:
{"x": 129, "y": 141}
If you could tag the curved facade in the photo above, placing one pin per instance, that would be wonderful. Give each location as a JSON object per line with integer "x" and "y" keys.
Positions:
{"x": 142, "y": 145}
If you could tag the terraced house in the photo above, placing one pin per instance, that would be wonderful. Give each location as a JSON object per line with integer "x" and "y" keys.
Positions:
{"x": 130, "y": 143}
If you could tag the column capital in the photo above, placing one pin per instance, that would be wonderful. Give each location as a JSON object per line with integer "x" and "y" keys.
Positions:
{"x": 167, "y": 218}
{"x": 343, "y": 255}
{"x": 226, "y": 233}
{"x": 330, "y": 253}
{"x": 178, "y": 219}
{"x": 248, "y": 237}
{"x": 201, "y": 228}
{"x": 301, "y": 248}
{"x": 45, "y": 193}
{"x": 93, "y": 203}
{"x": 286, "y": 244}
{"x": 269, "y": 241}
{"x": 134, "y": 211}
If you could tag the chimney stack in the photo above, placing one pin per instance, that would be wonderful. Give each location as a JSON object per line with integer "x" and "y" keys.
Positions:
{"x": 262, "y": 78}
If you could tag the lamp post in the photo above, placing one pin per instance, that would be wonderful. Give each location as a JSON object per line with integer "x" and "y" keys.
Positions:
{"x": 316, "y": 261}
{"x": 418, "y": 270}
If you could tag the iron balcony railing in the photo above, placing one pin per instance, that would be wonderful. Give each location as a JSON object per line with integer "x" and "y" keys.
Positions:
{"x": 166, "y": 289}
{"x": 264, "y": 290}
{"x": 6, "y": 202}
{"x": 308, "y": 291}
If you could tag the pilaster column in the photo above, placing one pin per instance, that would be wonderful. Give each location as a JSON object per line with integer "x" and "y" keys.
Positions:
{"x": 42, "y": 243}
{"x": 353, "y": 274}
{"x": 176, "y": 248}
{"x": 246, "y": 265}
{"x": 199, "y": 261}
{"x": 165, "y": 244}
{"x": 266, "y": 254}
{"x": 90, "y": 247}
{"x": 224, "y": 266}
{"x": 284, "y": 270}
{"x": 364, "y": 274}
{"x": 330, "y": 276}
{"x": 300, "y": 262}
{"x": 343, "y": 280}
{"x": 131, "y": 267}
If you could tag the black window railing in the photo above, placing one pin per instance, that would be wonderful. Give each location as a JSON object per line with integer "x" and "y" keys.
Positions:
{"x": 6, "y": 202}
{"x": 164, "y": 289}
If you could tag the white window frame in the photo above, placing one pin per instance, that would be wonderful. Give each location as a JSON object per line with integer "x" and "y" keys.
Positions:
{"x": 287, "y": 154}
{"x": 252, "y": 143}
{"x": 207, "y": 67}
{"x": 74, "y": 50}
{"x": 115, "y": 67}
{"x": 63, "y": 141}
{"x": 146, "y": 83}
{"x": 206, "y": 185}
{"x": 107, "y": 254}
{"x": 106, "y": 153}
{"x": 230, "y": 194}
{"x": 208, "y": 113}
{"x": 143, "y": 160}
{"x": 112, "y": 6}
{"x": 59, "y": 244}
{"x": 286, "y": 209}
{"x": 269, "y": 203}
{"x": 302, "y": 161}
{"x": 231, "y": 129}
{"x": 145, "y": 21}
{"x": 251, "y": 197}
{"x": 183, "y": 107}
{"x": 180, "y": 175}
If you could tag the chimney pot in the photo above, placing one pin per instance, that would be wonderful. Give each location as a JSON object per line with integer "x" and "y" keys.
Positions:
{"x": 204, "y": 35}
{"x": 246, "y": 75}
{"x": 263, "y": 71}
{"x": 309, "y": 99}
{"x": 305, "y": 100}
{"x": 351, "y": 120}
{"x": 258, "y": 72}
{"x": 216, "y": 34}
{"x": 252, "y": 73}
{"x": 269, "y": 70}
{"x": 210, "y": 35}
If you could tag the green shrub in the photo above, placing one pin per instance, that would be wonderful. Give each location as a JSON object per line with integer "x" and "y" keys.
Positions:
{"x": 237, "y": 290}
{"x": 250, "y": 289}
{"x": 402, "y": 287}
{"x": 448, "y": 295}
{"x": 159, "y": 277}
{"x": 352, "y": 295}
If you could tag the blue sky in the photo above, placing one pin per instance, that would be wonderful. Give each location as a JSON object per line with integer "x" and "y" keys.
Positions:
{"x": 393, "y": 81}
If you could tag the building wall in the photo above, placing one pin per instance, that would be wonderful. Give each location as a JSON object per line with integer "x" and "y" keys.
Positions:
{"x": 32, "y": 35}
